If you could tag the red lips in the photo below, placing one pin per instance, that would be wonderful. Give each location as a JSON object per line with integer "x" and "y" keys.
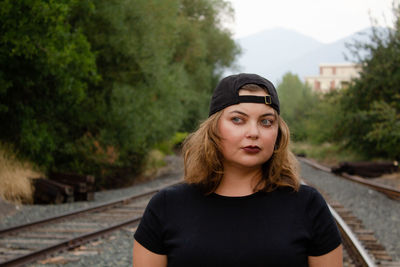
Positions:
{"x": 251, "y": 149}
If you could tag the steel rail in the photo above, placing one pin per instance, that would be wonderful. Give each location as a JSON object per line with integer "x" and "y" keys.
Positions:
{"x": 72, "y": 242}
{"x": 350, "y": 238}
{"x": 80, "y": 211}
{"x": 67, "y": 244}
{"x": 351, "y": 242}
{"x": 389, "y": 191}
{"x": 361, "y": 245}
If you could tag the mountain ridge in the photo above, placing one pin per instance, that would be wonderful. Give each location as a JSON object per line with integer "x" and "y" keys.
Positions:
{"x": 274, "y": 52}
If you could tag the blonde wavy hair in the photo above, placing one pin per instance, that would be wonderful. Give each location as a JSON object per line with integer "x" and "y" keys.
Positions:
{"x": 203, "y": 157}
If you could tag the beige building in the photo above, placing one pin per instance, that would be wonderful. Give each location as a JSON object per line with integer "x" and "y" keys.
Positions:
{"x": 333, "y": 76}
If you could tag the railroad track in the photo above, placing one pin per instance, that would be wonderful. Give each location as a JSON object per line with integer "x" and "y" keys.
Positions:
{"x": 30, "y": 242}
{"x": 361, "y": 246}
{"x": 389, "y": 191}
{"x": 33, "y": 241}
{"x": 360, "y": 243}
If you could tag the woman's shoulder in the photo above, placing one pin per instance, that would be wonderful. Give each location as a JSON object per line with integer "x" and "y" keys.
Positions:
{"x": 304, "y": 190}
{"x": 170, "y": 194}
{"x": 305, "y": 194}
{"x": 178, "y": 191}
{"x": 170, "y": 198}
{"x": 307, "y": 190}
{"x": 312, "y": 196}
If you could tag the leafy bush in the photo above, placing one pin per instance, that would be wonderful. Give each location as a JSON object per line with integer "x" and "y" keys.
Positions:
{"x": 91, "y": 86}
{"x": 45, "y": 65}
{"x": 371, "y": 105}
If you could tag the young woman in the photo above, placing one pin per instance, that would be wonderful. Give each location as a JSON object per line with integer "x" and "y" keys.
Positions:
{"x": 241, "y": 203}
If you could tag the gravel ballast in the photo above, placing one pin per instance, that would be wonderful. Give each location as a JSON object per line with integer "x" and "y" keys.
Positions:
{"x": 377, "y": 212}
{"x": 29, "y": 213}
{"x": 113, "y": 250}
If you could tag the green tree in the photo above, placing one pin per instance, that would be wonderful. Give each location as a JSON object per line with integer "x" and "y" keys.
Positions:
{"x": 324, "y": 118}
{"x": 159, "y": 61}
{"x": 45, "y": 65}
{"x": 91, "y": 86}
{"x": 297, "y": 104}
{"x": 204, "y": 49}
{"x": 371, "y": 105}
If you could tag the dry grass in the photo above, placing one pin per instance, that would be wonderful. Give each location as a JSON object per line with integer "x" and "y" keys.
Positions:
{"x": 15, "y": 178}
{"x": 154, "y": 162}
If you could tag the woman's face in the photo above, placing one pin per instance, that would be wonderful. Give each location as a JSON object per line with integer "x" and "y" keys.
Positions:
{"x": 248, "y": 133}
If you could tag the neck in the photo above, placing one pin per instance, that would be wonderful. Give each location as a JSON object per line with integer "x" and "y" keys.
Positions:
{"x": 238, "y": 181}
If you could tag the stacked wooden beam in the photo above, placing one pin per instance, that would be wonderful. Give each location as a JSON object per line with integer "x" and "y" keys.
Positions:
{"x": 64, "y": 187}
{"x": 366, "y": 169}
{"x": 84, "y": 185}
{"x": 51, "y": 192}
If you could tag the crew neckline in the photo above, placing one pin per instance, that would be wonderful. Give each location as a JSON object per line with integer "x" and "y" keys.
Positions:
{"x": 252, "y": 195}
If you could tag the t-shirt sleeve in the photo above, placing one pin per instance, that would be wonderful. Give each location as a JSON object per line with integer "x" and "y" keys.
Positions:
{"x": 325, "y": 235}
{"x": 150, "y": 232}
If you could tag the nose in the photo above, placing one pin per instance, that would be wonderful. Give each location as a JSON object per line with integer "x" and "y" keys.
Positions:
{"x": 252, "y": 131}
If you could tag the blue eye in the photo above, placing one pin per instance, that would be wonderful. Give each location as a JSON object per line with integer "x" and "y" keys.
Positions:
{"x": 266, "y": 122}
{"x": 236, "y": 120}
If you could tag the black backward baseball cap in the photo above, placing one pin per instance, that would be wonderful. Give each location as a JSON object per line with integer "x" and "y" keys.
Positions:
{"x": 227, "y": 92}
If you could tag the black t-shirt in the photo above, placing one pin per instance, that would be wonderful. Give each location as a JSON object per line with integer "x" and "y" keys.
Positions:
{"x": 279, "y": 228}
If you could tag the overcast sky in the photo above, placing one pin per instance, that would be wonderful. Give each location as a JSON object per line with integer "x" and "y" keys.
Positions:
{"x": 324, "y": 20}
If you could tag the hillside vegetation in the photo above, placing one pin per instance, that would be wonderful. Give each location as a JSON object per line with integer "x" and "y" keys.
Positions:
{"x": 91, "y": 86}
